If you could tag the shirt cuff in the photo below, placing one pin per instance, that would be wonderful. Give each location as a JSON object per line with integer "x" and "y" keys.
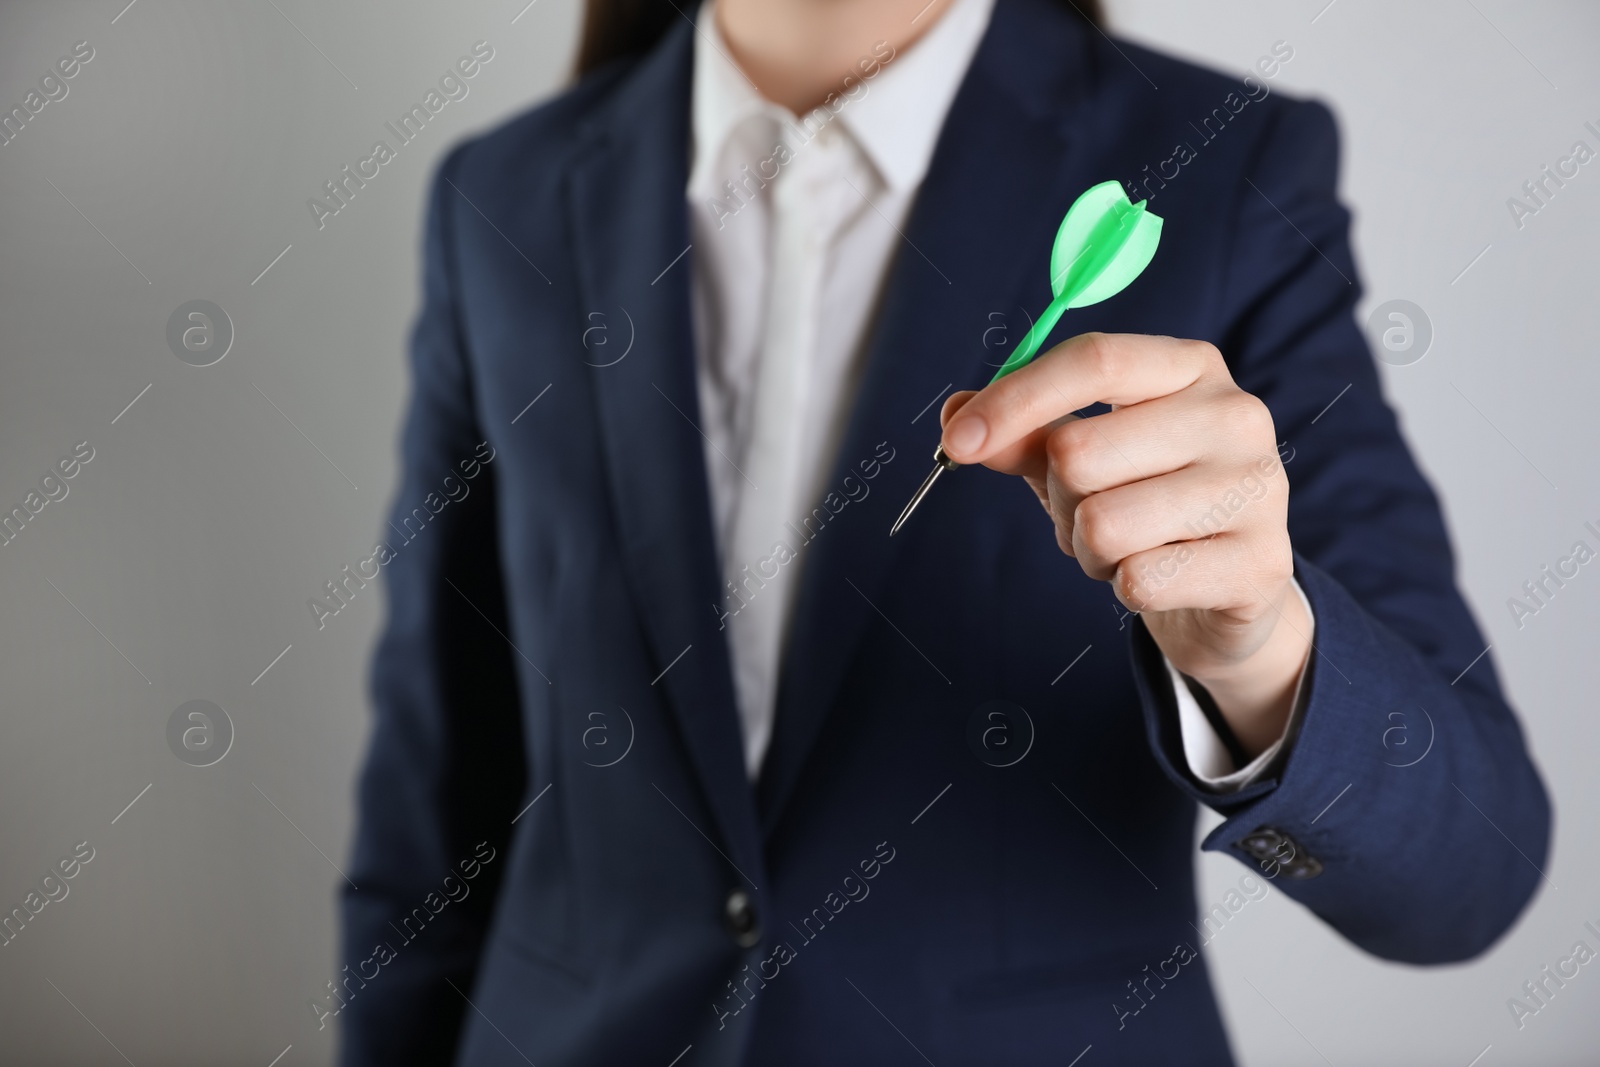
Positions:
{"x": 1210, "y": 761}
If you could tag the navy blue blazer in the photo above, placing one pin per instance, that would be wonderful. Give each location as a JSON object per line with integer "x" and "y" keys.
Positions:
{"x": 958, "y": 850}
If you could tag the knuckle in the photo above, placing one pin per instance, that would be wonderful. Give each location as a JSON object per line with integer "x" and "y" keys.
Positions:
{"x": 1096, "y": 526}
{"x": 1059, "y": 446}
{"x": 1247, "y": 416}
{"x": 1013, "y": 404}
{"x": 1103, "y": 356}
{"x": 1264, "y": 426}
{"x": 1080, "y": 434}
{"x": 1071, "y": 457}
{"x": 1209, "y": 356}
{"x": 1132, "y": 590}
{"x": 1278, "y": 557}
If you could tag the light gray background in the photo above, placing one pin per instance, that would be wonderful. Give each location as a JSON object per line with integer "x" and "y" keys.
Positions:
{"x": 184, "y": 555}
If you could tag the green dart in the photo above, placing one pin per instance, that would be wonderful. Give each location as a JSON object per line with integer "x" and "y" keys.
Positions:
{"x": 1103, "y": 244}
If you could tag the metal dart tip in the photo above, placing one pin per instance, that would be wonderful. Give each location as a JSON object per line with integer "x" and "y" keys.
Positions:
{"x": 942, "y": 463}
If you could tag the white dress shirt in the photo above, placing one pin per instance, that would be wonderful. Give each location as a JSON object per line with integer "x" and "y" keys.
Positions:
{"x": 794, "y": 224}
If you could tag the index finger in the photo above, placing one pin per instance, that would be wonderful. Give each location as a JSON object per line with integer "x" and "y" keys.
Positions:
{"x": 1090, "y": 368}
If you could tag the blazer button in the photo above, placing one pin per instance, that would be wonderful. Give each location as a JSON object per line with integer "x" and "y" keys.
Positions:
{"x": 739, "y": 915}
{"x": 1277, "y": 853}
{"x": 1264, "y": 842}
{"x": 1307, "y": 867}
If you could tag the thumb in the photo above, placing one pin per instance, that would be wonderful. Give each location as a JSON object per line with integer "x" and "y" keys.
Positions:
{"x": 954, "y": 403}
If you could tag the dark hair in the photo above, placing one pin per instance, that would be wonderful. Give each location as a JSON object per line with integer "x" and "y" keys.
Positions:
{"x": 617, "y": 29}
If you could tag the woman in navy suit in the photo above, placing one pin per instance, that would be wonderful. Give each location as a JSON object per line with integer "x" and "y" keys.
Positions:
{"x": 679, "y": 758}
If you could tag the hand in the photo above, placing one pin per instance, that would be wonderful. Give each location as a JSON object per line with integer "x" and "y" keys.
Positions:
{"x": 1176, "y": 497}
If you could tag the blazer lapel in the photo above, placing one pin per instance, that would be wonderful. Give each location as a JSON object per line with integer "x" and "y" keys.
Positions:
{"x": 978, "y": 241}
{"x": 629, "y": 219}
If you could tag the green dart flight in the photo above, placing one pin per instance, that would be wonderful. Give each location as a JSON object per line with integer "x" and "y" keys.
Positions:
{"x": 1103, "y": 244}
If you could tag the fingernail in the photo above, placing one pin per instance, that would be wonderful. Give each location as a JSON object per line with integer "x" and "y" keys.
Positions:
{"x": 966, "y": 435}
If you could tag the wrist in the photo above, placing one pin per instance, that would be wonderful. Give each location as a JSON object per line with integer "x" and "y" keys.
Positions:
{"x": 1256, "y": 694}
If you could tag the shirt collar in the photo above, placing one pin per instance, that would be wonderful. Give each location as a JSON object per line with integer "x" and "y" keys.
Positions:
{"x": 896, "y": 118}
{"x": 722, "y": 100}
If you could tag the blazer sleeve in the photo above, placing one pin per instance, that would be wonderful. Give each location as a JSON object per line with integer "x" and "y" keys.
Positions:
{"x": 1407, "y": 813}
{"x": 444, "y": 767}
